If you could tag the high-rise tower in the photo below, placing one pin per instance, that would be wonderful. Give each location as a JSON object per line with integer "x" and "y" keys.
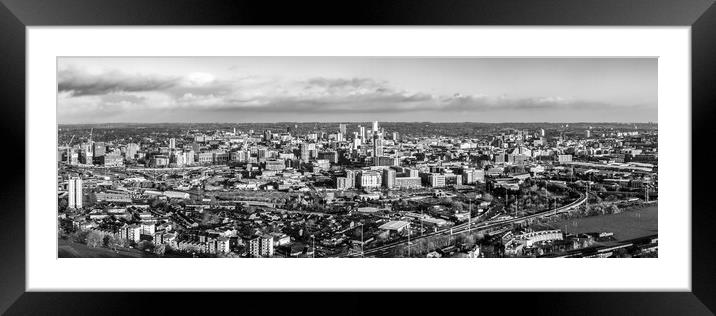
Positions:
{"x": 74, "y": 189}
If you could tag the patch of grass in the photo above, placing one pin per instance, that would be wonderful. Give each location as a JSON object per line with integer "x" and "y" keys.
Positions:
{"x": 69, "y": 249}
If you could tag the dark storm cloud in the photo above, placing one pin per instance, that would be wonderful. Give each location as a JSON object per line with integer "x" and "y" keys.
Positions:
{"x": 484, "y": 103}
{"x": 116, "y": 98}
{"x": 389, "y": 101}
{"x": 81, "y": 83}
{"x": 343, "y": 83}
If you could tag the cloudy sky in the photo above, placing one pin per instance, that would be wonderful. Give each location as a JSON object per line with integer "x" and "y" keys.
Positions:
{"x": 310, "y": 89}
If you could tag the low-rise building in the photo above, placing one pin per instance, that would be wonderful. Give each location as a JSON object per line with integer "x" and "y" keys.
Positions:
{"x": 395, "y": 226}
{"x": 261, "y": 246}
{"x": 528, "y": 239}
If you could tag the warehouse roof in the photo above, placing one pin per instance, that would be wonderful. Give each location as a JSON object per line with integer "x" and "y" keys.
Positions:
{"x": 394, "y": 225}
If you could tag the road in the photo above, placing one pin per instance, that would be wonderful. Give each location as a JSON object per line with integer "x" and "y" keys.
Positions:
{"x": 382, "y": 250}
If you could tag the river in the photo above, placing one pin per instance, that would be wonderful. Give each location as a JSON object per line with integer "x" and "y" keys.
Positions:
{"x": 626, "y": 225}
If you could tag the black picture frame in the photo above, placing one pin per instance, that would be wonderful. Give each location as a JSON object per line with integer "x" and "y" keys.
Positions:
{"x": 16, "y": 15}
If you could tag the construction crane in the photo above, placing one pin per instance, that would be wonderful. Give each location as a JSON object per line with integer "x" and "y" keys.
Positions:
{"x": 70, "y": 142}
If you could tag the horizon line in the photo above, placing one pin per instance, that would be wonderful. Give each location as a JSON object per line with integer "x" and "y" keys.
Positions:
{"x": 327, "y": 122}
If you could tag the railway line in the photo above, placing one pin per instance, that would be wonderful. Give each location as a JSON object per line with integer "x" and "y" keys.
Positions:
{"x": 469, "y": 226}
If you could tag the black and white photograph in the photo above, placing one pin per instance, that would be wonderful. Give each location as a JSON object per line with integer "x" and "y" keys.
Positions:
{"x": 267, "y": 157}
{"x": 357, "y": 157}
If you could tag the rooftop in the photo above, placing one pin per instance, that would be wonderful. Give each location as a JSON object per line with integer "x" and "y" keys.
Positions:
{"x": 394, "y": 225}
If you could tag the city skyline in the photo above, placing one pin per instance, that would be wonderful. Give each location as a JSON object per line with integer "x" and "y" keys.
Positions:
{"x": 400, "y": 190}
{"x": 359, "y": 122}
{"x": 355, "y": 89}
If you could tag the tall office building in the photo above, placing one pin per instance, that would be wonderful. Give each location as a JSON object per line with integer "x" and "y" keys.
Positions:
{"x": 361, "y": 132}
{"x": 436, "y": 180}
{"x": 262, "y": 154}
{"x": 342, "y": 128}
{"x": 351, "y": 178}
{"x": 189, "y": 157}
{"x": 377, "y": 145}
{"x": 178, "y": 158}
{"x": 172, "y": 143}
{"x": 356, "y": 143}
{"x": 375, "y": 126}
{"x": 305, "y": 153}
{"x": 72, "y": 156}
{"x": 389, "y": 178}
{"x": 312, "y": 151}
{"x": 85, "y": 155}
{"x": 131, "y": 151}
{"x": 369, "y": 179}
{"x": 74, "y": 190}
{"x": 240, "y": 156}
{"x": 99, "y": 149}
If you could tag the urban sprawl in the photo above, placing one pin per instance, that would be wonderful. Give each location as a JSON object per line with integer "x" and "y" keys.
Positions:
{"x": 309, "y": 190}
